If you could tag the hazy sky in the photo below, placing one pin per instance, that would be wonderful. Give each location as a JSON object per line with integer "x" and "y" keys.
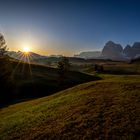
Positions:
{"x": 68, "y": 26}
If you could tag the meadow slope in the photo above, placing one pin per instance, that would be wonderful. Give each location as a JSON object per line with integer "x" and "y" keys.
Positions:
{"x": 29, "y": 81}
{"x": 105, "y": 109}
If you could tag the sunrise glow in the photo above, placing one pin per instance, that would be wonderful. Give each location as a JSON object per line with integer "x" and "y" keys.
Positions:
{"x": 26, "y": 49}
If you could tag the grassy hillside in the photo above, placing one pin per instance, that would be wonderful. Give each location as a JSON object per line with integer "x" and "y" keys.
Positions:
{"x": 105, "y": 109}
{"x": 32, "y": 81}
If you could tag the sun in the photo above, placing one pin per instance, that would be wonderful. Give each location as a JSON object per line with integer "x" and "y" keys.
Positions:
{"x": 26, "y": 49}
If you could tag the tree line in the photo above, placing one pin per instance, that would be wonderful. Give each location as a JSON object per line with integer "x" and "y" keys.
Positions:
{"x": 6, "y": 83}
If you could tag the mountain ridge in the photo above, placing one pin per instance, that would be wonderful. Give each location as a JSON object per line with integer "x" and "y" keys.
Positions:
{"x": 111, "y": 50}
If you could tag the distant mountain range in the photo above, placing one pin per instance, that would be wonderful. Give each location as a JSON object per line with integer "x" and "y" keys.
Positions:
{"x": 115, "y": 51}
{"x": 22, "y": 56}
{"x": 111, "y": 50}
{"x": 34, "y": 57}
{"x": 89, "y": 54}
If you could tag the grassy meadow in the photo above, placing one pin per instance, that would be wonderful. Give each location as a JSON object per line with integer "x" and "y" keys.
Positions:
{"x": 69, "y": 69}
{"x": 109, "y": 67}
{"x": 104, "y": 109}
{"x": 81, "y": 104}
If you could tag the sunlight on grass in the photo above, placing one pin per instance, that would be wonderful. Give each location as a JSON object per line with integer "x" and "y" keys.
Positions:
{"x": 107, "y": 109}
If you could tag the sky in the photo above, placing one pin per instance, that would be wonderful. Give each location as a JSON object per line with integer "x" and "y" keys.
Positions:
{"x": 68, "y": 27}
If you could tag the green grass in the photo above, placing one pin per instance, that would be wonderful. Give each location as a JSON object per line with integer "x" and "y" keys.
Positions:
{"x": 122, "y": 68}
{"x": 105, "y": 109}
{"x": 110, "y": 67}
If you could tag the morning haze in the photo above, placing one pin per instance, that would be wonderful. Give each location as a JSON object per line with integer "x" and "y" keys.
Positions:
{"x": 69, "y": 69}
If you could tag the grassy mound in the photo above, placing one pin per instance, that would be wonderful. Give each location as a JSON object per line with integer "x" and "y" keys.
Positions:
{"x": 105, "y": 109}
{"x": 33, "y": 81}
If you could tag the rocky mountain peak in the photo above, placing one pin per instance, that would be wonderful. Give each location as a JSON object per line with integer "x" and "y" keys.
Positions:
{"x": 112, "y": 50}
{"x": 136, "y": 45}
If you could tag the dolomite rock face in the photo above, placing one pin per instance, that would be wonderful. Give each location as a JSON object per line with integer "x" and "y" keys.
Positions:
{"x": 136, "y": 49}
{"x": 115, "y": 51}
{"x": 133, "y": 51}
{"x": 112, "y": 50}
{"x": 128, "y": 51}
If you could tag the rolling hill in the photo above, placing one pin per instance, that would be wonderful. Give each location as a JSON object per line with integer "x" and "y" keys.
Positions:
{"x": 32, "y": 81}
{"x": 105, "y": 109}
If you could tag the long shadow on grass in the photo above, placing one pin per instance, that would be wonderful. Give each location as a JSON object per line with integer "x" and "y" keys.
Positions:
{"x": 43, "y": 82}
